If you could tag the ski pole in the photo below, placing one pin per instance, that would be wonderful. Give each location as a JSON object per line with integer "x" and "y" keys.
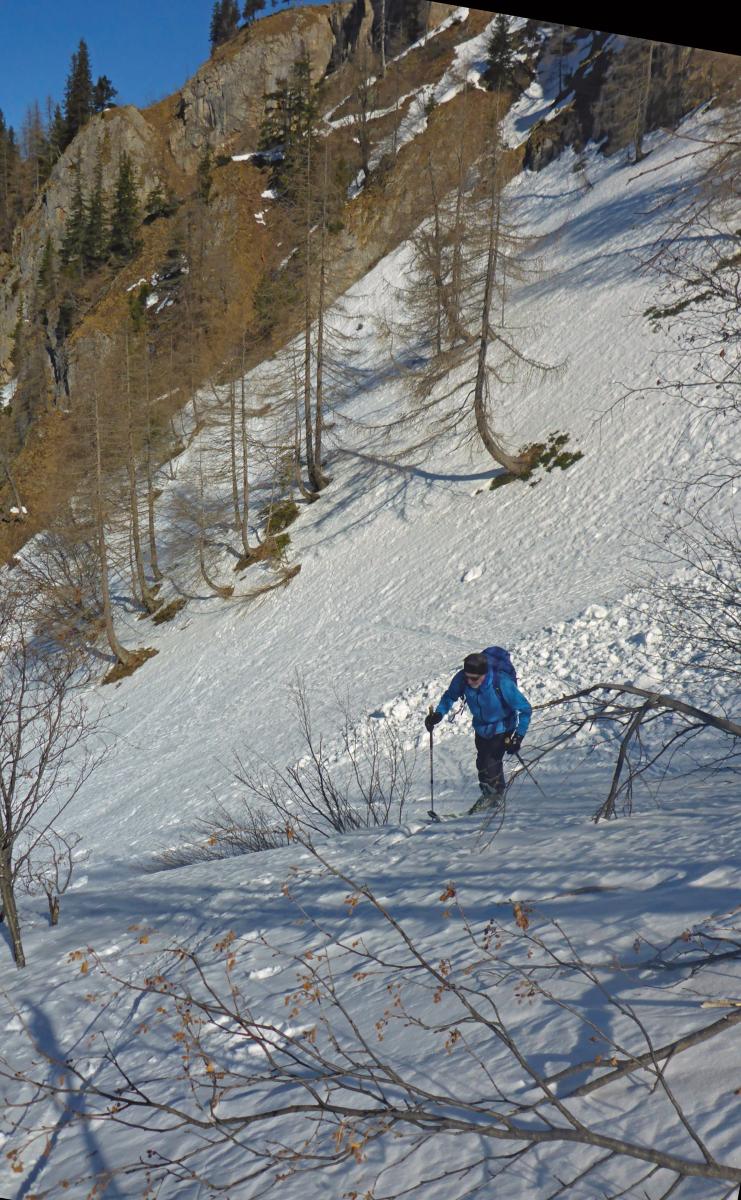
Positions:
{"x": 432, "y": 777}
{"x": 524, "y": 764}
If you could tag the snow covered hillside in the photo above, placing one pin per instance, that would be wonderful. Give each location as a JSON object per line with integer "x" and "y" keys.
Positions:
{"x": 422, "y": 1000}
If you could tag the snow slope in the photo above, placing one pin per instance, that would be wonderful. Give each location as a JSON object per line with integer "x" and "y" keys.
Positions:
{"x": 403, "y": 571}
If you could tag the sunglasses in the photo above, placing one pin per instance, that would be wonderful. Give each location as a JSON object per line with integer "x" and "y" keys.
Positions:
{"x": 473, "y": 678}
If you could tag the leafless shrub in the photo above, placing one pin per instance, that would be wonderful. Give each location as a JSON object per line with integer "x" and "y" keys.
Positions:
{"x": 650, "y": 732}
{"x": 223, "y": 835}
{"x": 699, "y": 609}
{"x": 320, "y": 793}
{"x": 48, "y": 871}
{"x": 46, "y": 752}
{"x": 339, "y": 1089}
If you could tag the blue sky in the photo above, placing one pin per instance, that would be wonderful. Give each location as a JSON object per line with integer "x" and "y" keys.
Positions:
{"x": 150, "y": 47}
{"x": 147, "y": 47}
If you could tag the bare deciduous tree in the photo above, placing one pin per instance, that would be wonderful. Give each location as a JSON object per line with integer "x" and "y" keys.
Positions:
{"x": 325, "y": 1083}
{"x": 650, "y": 731}
{"x": 466, "y": 257}
{"x": 49, "y": 868}
{"x": 46, "y": 749}
{"x": 317, "y": 795}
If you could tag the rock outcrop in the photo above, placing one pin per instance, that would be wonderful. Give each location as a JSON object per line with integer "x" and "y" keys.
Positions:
{"x": 222, "y": 105}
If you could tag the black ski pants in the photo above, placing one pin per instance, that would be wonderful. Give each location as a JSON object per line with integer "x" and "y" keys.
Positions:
{"x": 489, "y": 755}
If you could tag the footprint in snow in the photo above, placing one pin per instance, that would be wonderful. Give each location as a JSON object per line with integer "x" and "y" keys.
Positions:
{"x": 472, "y": 573}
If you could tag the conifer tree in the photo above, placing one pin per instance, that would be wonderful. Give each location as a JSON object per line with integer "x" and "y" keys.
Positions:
{"x": 46, "y": 280}
{"x": 500, "y": 55}
{"x": 224, "y": 22}
{"x": 78, "y": 96}
{"x": 103, "y": 94}
{"x": 159, "y": 203}
{"x": 231, "y": 18}
{"x": 57, "y": 132}
{"x": 11, "y": 202}
{"x": 251, "y": 10}
{"x": 214, "y": 35}
{"x": 96, "y": 237}
{"x": 290, "y": 122}
{"x": 73, "y": 242}
{"x": 125, "y": 215}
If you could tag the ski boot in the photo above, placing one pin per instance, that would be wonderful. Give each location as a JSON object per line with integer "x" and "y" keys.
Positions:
{"x": 490, "y": 798}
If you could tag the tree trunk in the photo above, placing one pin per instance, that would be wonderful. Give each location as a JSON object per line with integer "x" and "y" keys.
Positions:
{"x": 244, "y": 526}
{"x": 151, "y": 530}
{"x": 149, "y": 601}
{"x": 236, "y": 507}
{"x": 7, "y": 899}
{"x": 642, "y": 107}
{"x": 308, "y": 429}
{"x": 437, "y": 262}
{"x": 319, "y": 480}
{"x": 11, "y": 482}
{"x": 220, "y": 590}
{"x": 307, "y": 495}
{"x": 122, "y": 655}
{"x": 480, "y": 403}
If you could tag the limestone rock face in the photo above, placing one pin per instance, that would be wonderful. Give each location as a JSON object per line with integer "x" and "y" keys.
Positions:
{"x": 222, "y": 105}
{"x": 105, "y": 138}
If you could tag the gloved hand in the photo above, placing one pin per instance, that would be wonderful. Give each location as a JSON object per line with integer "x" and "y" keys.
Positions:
{"x": 512, "y": 743}
{"x": 431, "y": 720}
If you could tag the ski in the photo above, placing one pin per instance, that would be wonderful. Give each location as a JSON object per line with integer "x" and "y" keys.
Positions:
{"x": 438, "y": 818}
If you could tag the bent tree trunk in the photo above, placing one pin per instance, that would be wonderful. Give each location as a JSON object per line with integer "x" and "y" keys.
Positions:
{"x": 481, "y": 388}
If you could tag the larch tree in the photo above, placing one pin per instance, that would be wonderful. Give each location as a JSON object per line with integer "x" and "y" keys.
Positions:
{"x": 466, "y": 256}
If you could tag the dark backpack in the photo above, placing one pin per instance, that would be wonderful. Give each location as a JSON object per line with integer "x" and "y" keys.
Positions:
{"x": 501, "y": 664}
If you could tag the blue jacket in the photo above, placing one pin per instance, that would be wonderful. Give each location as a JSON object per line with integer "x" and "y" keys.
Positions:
{"x": 490, "y": 716}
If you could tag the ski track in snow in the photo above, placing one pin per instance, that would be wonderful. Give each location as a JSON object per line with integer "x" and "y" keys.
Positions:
{"x": 403, "y": 572}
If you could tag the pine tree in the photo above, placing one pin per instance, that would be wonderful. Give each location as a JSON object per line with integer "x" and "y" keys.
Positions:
{"x": 159, "y": 203}
{"x": 46, "y": 280}
{"x": 103, "y": 94}
{"x": 290, "y": 122}
{"x": 56, "y": 135}
{"x": 11, "y": 198}
{"x": 4, "y": 219}
{"x": 73, "y": 242}
{"x": 215, "y": 37}
{"x": 78, "y": 96}
{"x": 224, "y": 22}
{"x": 251, "y": 10}
{"x": 96, "y": 237}
{"x": 125, "y": 216}
{"x": 500, "y": 55}
{"x": 231, "y": 18}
